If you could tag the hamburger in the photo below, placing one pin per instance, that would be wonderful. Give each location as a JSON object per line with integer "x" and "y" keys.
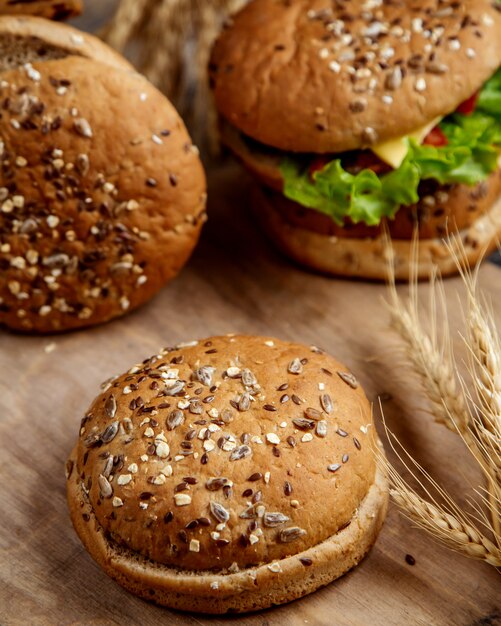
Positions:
{"x": 227, "y": 475}
{"x": 362, "y": 117}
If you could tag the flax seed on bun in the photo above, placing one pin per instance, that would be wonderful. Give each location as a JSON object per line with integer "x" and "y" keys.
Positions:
{"x": 346, "y": 89}
{"x": 228, "y": 474}
{"x": 102, "y": 194}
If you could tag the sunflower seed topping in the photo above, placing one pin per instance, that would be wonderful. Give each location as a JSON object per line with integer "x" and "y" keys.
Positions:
{"x": 321, "y": 429}
{"x": 295, "y": 367}
{"x": 272, "y": 520}
{"x": 162, "y": 449}
{"x": 287, "y": 535}
{"x": 303, "y": 424}
{"x": 174, "y": 419}
{"x": 219, "y": 512}
{"x": 182, "y": 499}
{"x": 326, "y": 403}
{"x": 349, "y": 379}
{"x": 312, "y": 414}
{"x": 173, "y": 387}
{"x": 215, "y": 484}
{"x": 110, "y": 432}
{"x": 242, "y": 452}
{"x": 248, "y": 378}
{"x": 111, "y": 407}
{"x": 204, "y": 375}
{"x": 104, "y": 486}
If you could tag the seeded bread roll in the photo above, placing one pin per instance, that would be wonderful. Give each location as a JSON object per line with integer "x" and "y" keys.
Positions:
{"x": 102, "y": 194}
{"x": 228, "y": 475}
{"x": 51, "y": 9}
{"x": 30, "y": 39}
{"x": 311, "y": 76}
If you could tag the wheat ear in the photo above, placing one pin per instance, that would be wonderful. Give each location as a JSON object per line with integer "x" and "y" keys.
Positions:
{"x": 442, "y": 520}
{"x": 484, "y": 367}
{"x": 432, "y": 361}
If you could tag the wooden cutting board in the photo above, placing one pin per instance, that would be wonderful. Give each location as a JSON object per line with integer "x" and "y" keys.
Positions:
{"x": 236, "y": 282}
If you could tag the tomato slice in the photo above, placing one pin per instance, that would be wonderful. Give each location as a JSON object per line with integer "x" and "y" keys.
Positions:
{"x": 367, "y": 160}
{"x": 319, "y": 163}
{"x": 468, "y": 106}
{"x": 436, "y": 137}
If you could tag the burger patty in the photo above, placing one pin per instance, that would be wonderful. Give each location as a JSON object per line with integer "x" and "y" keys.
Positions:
{"x": 441, "y": 209}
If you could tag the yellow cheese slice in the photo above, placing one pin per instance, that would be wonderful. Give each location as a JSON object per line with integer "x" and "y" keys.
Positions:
{"x": 394, "y": 151}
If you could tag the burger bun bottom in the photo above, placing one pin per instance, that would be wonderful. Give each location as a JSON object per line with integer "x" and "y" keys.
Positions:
{"x": 251, "y": 589}
{"x": 371, "y": 258}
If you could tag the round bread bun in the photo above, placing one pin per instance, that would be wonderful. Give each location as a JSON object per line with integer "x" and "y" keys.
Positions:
{"x": 316, "y": 76}
{"x": 228, "y": 474}
{"x": 30, "y": 39}
{"x": 370, "y": 257}
{"x": 102, "y": 194}
{"x": 50, "y": 9}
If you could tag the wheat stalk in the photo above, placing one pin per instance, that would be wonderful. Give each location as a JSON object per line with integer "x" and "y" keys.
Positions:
{"x": 434, "y": 363}
{"x": 439, "y": 516}
{"x": 172, "y": 41}
{"x": 484, "y": 367}
{"x": 476, "y": 419}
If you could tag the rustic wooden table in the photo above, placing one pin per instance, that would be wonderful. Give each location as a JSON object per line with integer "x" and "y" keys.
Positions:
{"x": 235, "y": 282}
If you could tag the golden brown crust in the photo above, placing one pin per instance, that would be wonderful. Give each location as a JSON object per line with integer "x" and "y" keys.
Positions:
{"x": 247, "y": 590}
{"x": 327, "y": 77}
{"x": 50, "y": 9}
{"x": 368, "y": 258}
{"x": 45, "y": 39}
{"x": 103, "y": 194}
{"x": 263, "y": 451}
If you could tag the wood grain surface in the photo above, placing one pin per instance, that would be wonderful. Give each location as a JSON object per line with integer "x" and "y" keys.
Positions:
{"x": 236, "y": 282}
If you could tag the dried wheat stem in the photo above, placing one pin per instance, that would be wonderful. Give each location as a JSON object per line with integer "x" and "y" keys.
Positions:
{"x": 485, "y": 348}
{"x": 436, "y": 373}
{"x": 437, "y": 369}
{"x": 452, "y": 404}
{"x": 163, "y": 31}
{"x": 128, "y": 15}
{"x": 445, "y": 522}
{"x": 447, "y": 528}
{"x": 484, "y": 367}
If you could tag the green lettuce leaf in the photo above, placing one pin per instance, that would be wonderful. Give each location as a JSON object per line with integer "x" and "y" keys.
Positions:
{"x": 490, "y": 97}
{"x": 474, "y": 142}
{"x": 364, "y": 197}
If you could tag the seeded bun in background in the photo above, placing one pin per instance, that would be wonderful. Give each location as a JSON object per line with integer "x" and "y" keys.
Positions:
{"x": 50, "y": 9}
{"x": 29, "y": 39}
{"x": 289, "y": 95}
{"x": 102, "y": 194}
{"x": 331, "y": 80}
{"x": 228, "y": 474}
